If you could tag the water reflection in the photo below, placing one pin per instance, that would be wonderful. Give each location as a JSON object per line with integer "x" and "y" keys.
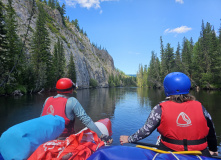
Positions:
{"x": 211, "y": 100}
{"x": 98, "y": 103}
{"x": 128, "y": 108}
{"x": 150, "y": 97}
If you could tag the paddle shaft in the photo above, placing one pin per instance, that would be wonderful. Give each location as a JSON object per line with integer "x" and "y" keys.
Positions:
{"x": 146, "y": 144}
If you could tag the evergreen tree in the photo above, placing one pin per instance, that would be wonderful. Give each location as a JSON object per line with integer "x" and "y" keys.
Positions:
{"x": 75, "y": 22}
{"x": 218, "y": 73}
{"x": 163, "y": 60}
{"x": 111, "y": 80}
{"x": 58, "y": 61}
{"x": 57, "y": 5}
{"x": 61, "y": 58}
{"x": 178, "y": 62}
{"x": 169, "y": 59}
{"x": 145, "y": 74}
{"x": 200, "y": 61}
{"x": 49, "y": 3}
{"x": 63, "y": 12}
{"x": 71, "y": 69}
{"x": 208, "y": 51}
{"x": 215, "y": 57}
{"x": 11, "y": 24}
{"x": 13, "y": 56}
{"x": 55, "y": 63}
{"x": 154, "y": 78}
{"x": 186, "y": 56}
{"x": 53, "y": 4}
{"x": 140, "y": 76}
{"x": 3, "y": 46}
{"x": 41, "y": 57}
{"x": 196, "y": 64}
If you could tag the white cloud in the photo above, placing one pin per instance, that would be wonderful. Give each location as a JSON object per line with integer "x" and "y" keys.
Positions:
{"x": 178, "y": 30}
{"x": 86, "y": 3}
{"x": 180, "y": 1}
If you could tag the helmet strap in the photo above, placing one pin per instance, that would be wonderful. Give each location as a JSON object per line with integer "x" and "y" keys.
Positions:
{"x": 64, "y": 90}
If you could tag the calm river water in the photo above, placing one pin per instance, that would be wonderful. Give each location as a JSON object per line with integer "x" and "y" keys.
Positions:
{"x": 127, "y": 108}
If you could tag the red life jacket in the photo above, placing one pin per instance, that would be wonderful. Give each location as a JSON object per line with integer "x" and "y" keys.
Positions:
{"x": 183, "y": 126}
{"x": 56, "y": 106}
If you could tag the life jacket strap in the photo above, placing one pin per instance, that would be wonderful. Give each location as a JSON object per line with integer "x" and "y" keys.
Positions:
{"x": 184, "y": 142}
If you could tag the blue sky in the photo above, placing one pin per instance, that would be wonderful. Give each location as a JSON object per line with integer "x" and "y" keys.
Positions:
{"x": 131, "y": 29}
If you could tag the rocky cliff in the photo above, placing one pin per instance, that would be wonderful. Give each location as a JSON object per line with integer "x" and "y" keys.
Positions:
{"x": 90, "y": 62}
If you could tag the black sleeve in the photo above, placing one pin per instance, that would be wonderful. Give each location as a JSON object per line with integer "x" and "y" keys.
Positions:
{"x": 211, "y": 138}
{"x": 153, "y": 121}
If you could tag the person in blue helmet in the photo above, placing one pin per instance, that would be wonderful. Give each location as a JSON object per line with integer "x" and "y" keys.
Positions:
{"x": 183, "y": 123}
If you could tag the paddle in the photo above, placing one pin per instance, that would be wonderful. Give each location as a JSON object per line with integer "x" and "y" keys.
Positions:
{"x": 153, "y": 145}
{"x": 145, "y": 144}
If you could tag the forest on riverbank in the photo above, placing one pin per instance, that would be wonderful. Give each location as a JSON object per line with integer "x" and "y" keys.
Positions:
{"x": 34, "y": 60}
{"x": 201, "y": 61}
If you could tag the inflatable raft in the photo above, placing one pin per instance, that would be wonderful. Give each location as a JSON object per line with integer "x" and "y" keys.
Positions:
{"x": 27, "y": 139}
{"x": 135, "y": 153}
{"x": 90, "y": 147}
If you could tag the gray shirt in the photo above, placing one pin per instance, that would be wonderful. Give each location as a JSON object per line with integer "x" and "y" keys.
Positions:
{"x": 74, "y": 108}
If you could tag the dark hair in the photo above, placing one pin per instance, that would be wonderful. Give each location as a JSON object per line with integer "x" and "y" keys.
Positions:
{"x": 181, "y": 98}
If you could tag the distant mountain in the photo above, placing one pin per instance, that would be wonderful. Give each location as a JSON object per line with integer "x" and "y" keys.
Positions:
{"x": 132, "y": 75}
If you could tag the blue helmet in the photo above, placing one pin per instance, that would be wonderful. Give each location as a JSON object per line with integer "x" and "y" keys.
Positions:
{"x": 176, "y": 83}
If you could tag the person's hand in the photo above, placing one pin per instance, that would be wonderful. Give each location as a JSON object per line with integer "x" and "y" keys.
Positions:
{"x": 213, "y": 153}
{"x": 123, "y": 139}
{"x": 107, "y": 139}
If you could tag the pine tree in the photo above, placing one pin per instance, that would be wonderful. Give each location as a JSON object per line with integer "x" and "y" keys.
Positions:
{"x": 208, "y": 47}
{"x": 61, "y": 59}
{"x": 49, "y": 3}
{"x": 111, "y": 80}
{"x": 13, "y": 56}
{"x": 11, "y": 35}
{"x": 63, "y": 12}
{"x": 140, "y": 76}
{"x": 164, "y": 71}
{"x": 41, "y": 58}
{"x": 145, "y": 75}
{"x": 169, "y": 59}
{"x": 58, "y": 61}
{"x": 55, "y": 63}
{"x": 215, "y": 57}
{"x": 71, "y": 69}
{"x": 196, "y": 64}
{"x": 53, "y": 4}
{"x": 154, "y": 78}
{"x": 186, "y": 56}
{"x": 57, "y": 5}
{"x": 178, "y": 63}
{"x": 3, "y": 46}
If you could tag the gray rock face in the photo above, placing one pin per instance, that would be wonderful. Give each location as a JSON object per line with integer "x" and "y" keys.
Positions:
{"x": 90, "y": 62}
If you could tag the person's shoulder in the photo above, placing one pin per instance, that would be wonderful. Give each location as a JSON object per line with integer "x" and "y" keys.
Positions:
{"x": 166, "y": 100}
{"x": 72, "y": 99}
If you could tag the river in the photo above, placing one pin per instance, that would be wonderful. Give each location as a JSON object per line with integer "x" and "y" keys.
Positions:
{"x": 127, "y": 108}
